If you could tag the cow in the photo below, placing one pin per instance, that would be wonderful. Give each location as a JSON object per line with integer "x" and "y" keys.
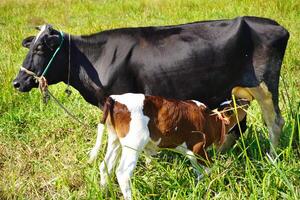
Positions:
{"x": 136, "y": 123}
{"x": 206, "y": 60}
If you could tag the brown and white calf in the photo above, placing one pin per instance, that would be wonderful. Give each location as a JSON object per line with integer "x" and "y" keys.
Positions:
{"x": 136, "y": 122}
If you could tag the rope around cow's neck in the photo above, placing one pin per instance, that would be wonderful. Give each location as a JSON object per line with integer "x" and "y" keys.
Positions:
{"x": 53, "y": 56}
{"x": 68, "y": 91}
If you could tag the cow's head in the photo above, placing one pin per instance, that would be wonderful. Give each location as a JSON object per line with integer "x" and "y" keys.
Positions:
{"x": 41, "y": 49}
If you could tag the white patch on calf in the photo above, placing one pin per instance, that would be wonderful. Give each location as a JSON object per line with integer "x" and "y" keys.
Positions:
{"x": 133, "y": 102}
{"x": 199, "y": 104}
{"x": 138, "y": 126}
{"x": 39, "y": 34}
{"x": 226, "y": 103}
{"x": 135, "y": 140}
{"x": 158, "y": 141}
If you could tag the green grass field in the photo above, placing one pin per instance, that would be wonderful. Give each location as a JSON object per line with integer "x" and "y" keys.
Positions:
{"x": 43, "y": 152}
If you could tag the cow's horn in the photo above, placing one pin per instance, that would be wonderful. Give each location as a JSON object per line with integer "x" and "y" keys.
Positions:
{"x": 38, "y": 28}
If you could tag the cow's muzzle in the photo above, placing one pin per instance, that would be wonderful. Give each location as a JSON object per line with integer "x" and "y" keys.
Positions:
{"x": 25, "y": 84}
{"x": 16, "y": 84}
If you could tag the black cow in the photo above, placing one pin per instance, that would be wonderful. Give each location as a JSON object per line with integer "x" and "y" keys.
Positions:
{"x": 206, "y": 61}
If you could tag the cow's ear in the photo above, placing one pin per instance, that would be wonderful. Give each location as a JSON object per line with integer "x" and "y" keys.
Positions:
{"x": 27, "y": 41}
{"x": 52, "y": 41}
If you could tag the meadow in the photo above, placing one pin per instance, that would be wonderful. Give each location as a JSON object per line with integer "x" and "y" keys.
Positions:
{"x": 43, "y": 152}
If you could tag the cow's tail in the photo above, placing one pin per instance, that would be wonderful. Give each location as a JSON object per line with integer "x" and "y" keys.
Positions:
{"x": 108, "y": 106}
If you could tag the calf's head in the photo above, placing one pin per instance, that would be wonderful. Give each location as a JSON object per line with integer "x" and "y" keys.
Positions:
{"x": 234, "y": 114}
{"x": 41, "y": 49}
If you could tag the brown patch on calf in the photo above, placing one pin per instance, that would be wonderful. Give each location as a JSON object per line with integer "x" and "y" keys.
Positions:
{"x": 177, "y": 122}
{"x": 172, "y": 120}
{"x": 120, "y": 119}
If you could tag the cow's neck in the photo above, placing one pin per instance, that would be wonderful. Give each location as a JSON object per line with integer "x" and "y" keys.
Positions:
{"x": 83, "y": 74}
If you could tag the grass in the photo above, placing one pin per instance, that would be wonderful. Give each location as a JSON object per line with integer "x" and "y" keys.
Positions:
{"x": 43, "y": 152}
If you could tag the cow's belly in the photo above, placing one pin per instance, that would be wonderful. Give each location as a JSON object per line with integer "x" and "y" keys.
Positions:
{"x": 189, "y": 86}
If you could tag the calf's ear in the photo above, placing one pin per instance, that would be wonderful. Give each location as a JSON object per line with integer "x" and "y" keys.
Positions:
{"x": 27, "y": 41}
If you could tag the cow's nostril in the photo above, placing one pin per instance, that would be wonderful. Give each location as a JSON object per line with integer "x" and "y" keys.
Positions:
{"x": 16, "y": 84}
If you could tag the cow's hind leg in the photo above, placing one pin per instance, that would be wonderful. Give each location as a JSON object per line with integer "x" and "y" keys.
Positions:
{"x": 271, "y": 113}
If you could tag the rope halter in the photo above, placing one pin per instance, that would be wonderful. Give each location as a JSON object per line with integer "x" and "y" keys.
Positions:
{"x": 41, "y": 80}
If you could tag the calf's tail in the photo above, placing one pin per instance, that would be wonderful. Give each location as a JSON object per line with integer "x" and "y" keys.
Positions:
{"x": 108, "y": 106}
{"x": 95, "y": 150}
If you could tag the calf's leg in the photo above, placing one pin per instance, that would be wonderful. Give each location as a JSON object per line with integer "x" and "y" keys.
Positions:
{"x": 110, "y": 159}
{"x": 125, "y": 169}
{"x": 132, "y": 144}
{"x": 205, "y": 160}
{"x": 194, "y": 160}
